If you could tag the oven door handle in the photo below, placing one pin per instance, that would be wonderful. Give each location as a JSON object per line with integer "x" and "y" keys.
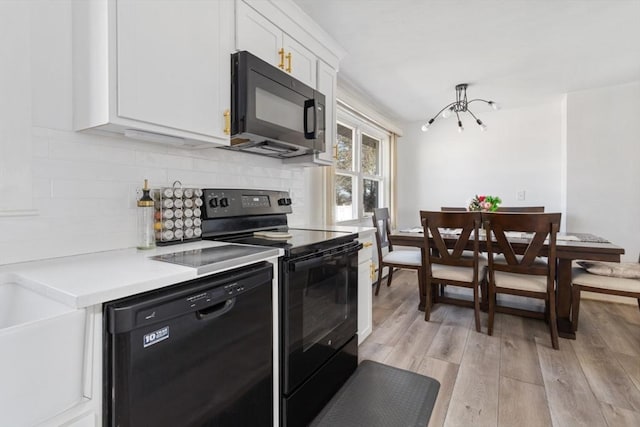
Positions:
{"x": 322, "y": 258}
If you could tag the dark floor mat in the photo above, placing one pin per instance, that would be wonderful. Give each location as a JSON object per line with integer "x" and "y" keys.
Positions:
{"x": 378, "y": 395}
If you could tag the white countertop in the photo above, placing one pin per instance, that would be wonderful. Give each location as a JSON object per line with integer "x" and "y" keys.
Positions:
{"x": 84, "y": 280}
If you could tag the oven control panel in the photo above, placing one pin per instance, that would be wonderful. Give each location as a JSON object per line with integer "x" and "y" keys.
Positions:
{"x": 222, "y": 203}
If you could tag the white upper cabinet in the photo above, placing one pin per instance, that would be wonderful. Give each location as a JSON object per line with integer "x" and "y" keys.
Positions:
{"x": 258, "y": 35}
{"x": 154, "y": 70}
{"x": 327, "y": 84}
{"x": 299, "y": 61}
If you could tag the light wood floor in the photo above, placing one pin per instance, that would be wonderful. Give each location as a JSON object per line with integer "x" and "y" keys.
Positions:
{"x": 513, "y": 378}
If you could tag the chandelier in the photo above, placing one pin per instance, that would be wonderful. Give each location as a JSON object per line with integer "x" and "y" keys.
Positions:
{"x": 460, "y": 105}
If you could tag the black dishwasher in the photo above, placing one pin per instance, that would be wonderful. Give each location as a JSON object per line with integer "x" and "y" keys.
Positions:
{"x": 198, "y": 353}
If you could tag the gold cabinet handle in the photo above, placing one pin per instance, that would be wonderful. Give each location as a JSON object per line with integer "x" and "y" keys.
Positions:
{"x": 288, "y": 69}
{"x": 373, "y": 271}
{"x": 367, "y": 244}
{"x": 281, "y": 64}
{"x": 335, "y": 152}
{"x": 227, "y": 122}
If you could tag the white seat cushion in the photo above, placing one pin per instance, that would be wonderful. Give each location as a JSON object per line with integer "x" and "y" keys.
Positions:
{"x": 448, "y": 272}
{"x": 584, "y": 278}
{"x": 462, "y": 274}
{"x": 403, "y": 257}
{"x": 624, "y": 270}
{"x": 523, "y": 282}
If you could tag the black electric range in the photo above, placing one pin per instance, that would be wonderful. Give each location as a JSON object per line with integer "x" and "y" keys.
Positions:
{"x": 317, "y": 293}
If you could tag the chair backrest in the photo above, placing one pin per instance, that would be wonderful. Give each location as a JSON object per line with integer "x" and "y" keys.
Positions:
{"x": 439, "y": 251}
{"x": 382, "y": 223}
{"x": 542, "y": 226}
{"x": 523, "y": 209}
{"x": 452, "y": 209}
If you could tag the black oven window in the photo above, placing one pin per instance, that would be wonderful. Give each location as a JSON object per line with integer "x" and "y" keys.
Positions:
{"x": 325, "y": 302}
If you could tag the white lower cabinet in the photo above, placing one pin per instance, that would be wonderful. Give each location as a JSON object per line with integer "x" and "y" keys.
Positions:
{"x": 87, "y": 410}
{"x": 365, "y": 300}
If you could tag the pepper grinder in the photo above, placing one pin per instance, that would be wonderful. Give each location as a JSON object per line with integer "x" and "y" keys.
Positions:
{"x": 146, "y": 235}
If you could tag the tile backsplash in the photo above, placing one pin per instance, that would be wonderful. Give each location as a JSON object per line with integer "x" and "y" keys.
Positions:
{"x": 85, "y": 185}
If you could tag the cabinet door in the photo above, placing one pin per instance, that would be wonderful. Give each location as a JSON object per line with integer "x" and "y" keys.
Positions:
{"x": 327, "y": 78}
{"x": 256, "y": 34}
{"x": 299, "y": 61}
{"x": 159, "y": 81}
{"x": 365, "y": 301}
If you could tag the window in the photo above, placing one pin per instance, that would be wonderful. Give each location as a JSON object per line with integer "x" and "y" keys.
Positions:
{"x": 361, "y": 171}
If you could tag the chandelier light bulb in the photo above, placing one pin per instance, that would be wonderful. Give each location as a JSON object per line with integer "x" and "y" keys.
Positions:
{"x": 494, "y": 105}
{"x": 483, "y": 127}
{"x": 446, "y": 113}
{"x": 425, "y": 127}
{"x": 460, "y": 128}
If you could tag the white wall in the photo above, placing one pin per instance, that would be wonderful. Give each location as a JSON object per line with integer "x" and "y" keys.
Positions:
{"x": 84, "y": 186}
{"x": 15, "y": 107}
{"x": 603, "y": 164}
{"x": 578, "y": 155}
{"x": 522, "y": 149}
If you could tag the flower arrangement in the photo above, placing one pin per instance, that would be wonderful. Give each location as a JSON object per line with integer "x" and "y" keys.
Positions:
{"x": 484, "y": 203}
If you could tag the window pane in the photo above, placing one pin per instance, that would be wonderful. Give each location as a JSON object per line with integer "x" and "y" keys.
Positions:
{"x": 370, "y": 155}
{"x": 344, "y": 144}
{"x": 370, "y": 195}
{"x": 344, "y": 198}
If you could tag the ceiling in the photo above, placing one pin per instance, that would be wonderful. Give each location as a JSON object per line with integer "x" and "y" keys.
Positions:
{"x": 407, "y": 55}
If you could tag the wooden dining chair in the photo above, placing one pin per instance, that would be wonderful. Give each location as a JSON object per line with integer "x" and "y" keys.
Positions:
{"x": 523, "y": 274}
{"x": 521, "y": 209}
{"x": 447, "y": 262}
{"x": 621, "y": 279}
{"x": 393, "y": 259}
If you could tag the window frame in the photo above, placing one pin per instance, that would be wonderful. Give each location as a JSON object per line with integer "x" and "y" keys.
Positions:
{"x": 360, "y": 127}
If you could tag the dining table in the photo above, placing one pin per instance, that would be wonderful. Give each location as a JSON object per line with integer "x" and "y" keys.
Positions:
{"x": 569, "y": 247}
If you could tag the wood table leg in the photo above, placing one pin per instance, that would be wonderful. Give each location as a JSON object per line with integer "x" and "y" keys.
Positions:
{"x": 563, "y": 303}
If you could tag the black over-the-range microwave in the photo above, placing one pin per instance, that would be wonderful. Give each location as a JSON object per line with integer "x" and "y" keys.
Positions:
{"x": 272, "y": 113}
